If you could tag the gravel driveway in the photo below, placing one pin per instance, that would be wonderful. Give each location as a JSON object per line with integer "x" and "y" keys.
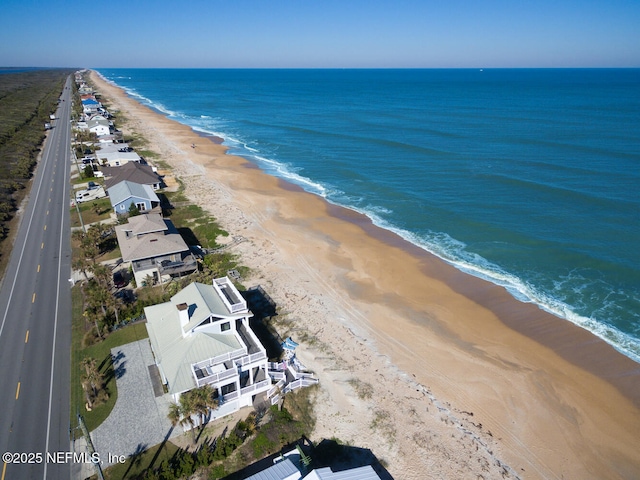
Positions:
{"x": 139, "y": 419}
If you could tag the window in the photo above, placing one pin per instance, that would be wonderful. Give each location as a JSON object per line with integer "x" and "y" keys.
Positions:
{"x": 141, "y": 206}
{"x": 225, "y": 326}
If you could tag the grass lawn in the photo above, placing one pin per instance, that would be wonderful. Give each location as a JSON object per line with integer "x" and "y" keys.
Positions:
{"x": 138, "y": 464}
{"x": 102, "y": 353}
{"x": 94, "y": 211}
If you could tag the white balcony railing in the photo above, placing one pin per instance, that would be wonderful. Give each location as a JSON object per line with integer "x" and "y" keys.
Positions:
{"x": 256, "y": 357}
{"x": 255, "y": 387}
{"x": 225, "y": 357}
{"x": 215, "y": 377}
{"x": 229, "y": 295}
{"x": 273, "y": 390}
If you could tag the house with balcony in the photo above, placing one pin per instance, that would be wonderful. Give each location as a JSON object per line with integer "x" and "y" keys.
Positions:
{"x": 155, "y": 249}
{"x": 90, "y": 106}
{"x": 201, "y": 336}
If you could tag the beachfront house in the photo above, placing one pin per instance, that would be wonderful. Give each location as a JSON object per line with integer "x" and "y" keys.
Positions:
{"x": 155, "y": 249}
{"x": 124, "y": 194}
{"x": 201, "y": 336}
{"x": 133, "y": 172}
{"x": 99, "y": 125}
{"x": 116, "y": 158}
{"x": 90, "y": 106}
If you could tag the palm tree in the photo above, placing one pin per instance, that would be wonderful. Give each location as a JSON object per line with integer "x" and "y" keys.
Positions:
{"x": 97, "y": 297}
{"x": 187, "y": 408}
{"x": 92, "y": 378}
{"x": 81, "y": 265}
{"x": 175, "y": 414}
{"x": 102, "y": 275}
{"x": 204, "y": 402}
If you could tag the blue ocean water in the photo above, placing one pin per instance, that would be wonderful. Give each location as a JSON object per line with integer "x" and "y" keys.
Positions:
{"x": 527, "y": 178}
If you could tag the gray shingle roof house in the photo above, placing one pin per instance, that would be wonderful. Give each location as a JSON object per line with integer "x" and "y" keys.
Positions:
{"x": 154, "y": 247}
{"x": 125, "y": 193}
{"x": 134, "y": 172}
{"x": 202, "y": 336}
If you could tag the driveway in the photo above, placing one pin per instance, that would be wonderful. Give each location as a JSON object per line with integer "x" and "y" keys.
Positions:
{"x": 139, "y": 419}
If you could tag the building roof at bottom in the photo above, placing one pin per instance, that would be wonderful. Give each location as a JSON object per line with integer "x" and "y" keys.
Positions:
{"x": 284, "y": 470}
{"x": 359, "y": 473}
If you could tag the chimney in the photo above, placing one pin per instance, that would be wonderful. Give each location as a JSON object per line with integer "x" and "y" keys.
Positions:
{"x": 183, "y": 314}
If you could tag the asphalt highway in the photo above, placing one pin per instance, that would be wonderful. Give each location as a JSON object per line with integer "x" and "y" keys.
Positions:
{"x": 35, "y": 321}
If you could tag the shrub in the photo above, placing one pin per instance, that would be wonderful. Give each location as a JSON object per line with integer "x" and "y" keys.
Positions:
{"x": 262, "y": 446}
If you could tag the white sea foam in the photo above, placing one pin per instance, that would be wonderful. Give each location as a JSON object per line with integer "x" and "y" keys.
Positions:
{"x": 440, "y": 244}
{"x": 453, "y": 252}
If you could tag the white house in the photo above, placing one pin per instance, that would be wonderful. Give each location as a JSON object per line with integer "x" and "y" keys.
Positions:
{"x": 99, "y": 125}
{"x": 117, "y": 158}
{"x": 202, "y": 337}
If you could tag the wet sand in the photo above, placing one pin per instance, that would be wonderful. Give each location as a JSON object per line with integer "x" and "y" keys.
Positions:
{"x": 440, "y": 374}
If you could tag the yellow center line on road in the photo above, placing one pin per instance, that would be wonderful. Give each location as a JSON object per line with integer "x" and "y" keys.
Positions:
{"x": 26, "y": 338}
{"x": 38, "y": 268}
{"x": 4, "y": 470}
{"x": 33, "y": 299}
{"x": 18, "y": 391}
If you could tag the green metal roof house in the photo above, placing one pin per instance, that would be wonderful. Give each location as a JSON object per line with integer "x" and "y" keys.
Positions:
{"x": 202, "y": 336}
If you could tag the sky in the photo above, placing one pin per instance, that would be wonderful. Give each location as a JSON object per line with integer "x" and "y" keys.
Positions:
{"x": 320, "y": 33}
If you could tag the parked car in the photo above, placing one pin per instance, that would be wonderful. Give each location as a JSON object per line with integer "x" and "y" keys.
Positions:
{"x": 126, "y": 295}
{"x": 118, "y": 279}
{"x": 89, "y": 195}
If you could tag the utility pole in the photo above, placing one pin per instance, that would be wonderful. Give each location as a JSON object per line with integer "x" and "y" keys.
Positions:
{"x": 90, "y": 446}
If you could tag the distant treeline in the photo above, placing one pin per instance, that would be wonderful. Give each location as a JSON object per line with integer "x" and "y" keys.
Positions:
{"x": 26, "y": 101}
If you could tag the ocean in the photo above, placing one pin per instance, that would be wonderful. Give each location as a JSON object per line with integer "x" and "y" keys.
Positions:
{"x": 528, "y": 178}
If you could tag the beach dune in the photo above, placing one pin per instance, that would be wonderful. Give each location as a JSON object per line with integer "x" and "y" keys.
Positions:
{"x": 440, "y": 374}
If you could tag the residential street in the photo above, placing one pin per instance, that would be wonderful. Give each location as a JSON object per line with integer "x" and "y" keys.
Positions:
{"x": 35, "y": 320}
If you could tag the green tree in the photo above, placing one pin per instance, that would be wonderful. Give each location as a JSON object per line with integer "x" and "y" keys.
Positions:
{"x": 203, "y": 402}
{"x": 92, "y": 379}
{"x": 175, "y": 414}
{"x": 87, "y": 172}
{"x": 134, "y": 210}
{"x": 80, "y": 264}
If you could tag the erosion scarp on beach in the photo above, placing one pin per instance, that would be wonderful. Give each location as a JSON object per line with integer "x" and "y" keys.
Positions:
{"x": 440, "y": 374}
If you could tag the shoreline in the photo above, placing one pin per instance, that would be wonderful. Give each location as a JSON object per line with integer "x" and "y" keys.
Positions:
{"x": 611, "y": 335}
{"x": 506, "y": 381}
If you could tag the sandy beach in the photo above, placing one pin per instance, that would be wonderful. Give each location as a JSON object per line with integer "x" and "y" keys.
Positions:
{"x": 440, "y": 374}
